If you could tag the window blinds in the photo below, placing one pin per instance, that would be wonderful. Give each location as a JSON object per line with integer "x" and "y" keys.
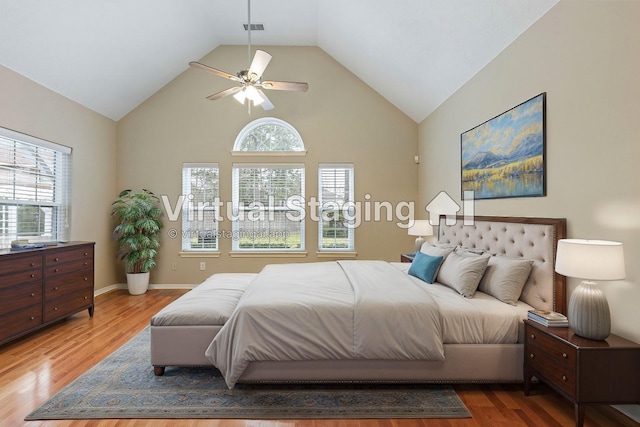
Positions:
{"x": 35, "y": 189}
{"x": 265, "y": 215}
{"x": 201, "y": 191}
{"x": 336, "y": 195}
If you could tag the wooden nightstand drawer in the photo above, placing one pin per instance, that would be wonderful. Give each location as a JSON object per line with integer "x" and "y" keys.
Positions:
{"x": 557, "y": 373}
{"x": 558, "y": 350}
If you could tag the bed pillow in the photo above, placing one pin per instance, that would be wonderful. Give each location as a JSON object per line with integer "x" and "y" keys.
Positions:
{"x": 505, "y": 277}
{"x": 436, "y": 249}
{"x": 425, "y": 266}
{"x": 462, "y": 273}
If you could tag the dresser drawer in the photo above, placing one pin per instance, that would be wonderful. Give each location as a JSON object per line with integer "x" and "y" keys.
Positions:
{"x": 33, "y": 275}
{"x": 560, "y": 351}
{"x": 556, "y": 373}
{"x": 61, "y": 285}
{"x": 78, "y": 264}
{"x": 67, "y": 304}
{"x": 68, "y": 255}
{"x": 12, "y": 263}
{"x": 18, "y": 297}
{"x": 17, "y": 322}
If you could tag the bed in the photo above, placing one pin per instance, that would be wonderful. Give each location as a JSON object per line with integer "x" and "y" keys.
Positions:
{"x": 477, "y": 338}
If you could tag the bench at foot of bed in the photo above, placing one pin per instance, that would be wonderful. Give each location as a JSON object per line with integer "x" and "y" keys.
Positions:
{"x": 182, "y": 331}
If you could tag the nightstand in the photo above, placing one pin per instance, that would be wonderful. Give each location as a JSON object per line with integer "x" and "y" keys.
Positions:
{"x": 406, "y": 257}
{"x": 585, "y": 371}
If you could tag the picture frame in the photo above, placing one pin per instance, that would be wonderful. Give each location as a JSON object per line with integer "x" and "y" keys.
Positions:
{"x": 505, "y": 156}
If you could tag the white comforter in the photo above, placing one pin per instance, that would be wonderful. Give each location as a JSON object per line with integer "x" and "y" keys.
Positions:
{"x": 328, "y": 310}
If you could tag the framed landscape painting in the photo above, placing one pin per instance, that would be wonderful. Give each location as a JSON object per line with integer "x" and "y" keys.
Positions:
{"x": 505, "y": 156}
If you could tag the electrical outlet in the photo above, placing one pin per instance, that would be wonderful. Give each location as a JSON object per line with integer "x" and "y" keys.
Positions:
{"x": 174, "y": 266}
{"x": 203, "y": 266}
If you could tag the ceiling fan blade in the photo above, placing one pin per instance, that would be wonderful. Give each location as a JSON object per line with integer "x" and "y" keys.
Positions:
{"x": 215, "y": 71}
{"x": 259, "y": 64}
{"x": 265, "y": 104}
{"x": 224, "y": 93}
{"x": 294, "y": 86}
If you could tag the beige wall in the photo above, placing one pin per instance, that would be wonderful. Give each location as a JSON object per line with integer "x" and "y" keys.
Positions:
{"x": 585, "y": 56}
{"x": 27, "y": 107}
{"x": 340, "y": 120}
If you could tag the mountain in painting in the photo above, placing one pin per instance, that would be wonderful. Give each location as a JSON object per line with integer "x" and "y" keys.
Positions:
{"x": 531, "y": 145}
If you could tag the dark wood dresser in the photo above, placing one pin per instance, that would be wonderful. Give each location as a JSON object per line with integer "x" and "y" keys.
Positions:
{"x": 585, "y": 371}
{"x": 41, "y": 286}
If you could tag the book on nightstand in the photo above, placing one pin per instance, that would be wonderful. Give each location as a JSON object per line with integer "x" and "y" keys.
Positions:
{"x": 548, "y": 318}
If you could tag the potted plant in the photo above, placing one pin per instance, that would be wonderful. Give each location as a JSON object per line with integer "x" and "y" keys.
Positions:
{"x": 138, "y": 233}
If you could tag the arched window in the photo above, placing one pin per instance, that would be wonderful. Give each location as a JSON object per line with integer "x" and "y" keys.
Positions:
{"x": 269, "y": 135}
{"x": 266, "y": 196}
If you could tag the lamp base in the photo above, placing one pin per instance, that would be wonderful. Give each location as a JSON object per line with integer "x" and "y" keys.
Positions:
{"x": 419, "y": 241}
{"x": 589, "y": 314}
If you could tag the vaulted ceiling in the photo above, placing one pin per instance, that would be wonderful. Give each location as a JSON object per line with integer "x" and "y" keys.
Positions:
{"x": 111, "y": 55}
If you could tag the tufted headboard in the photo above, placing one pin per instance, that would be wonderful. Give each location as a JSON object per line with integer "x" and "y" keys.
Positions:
{"x": 517, "y": 237}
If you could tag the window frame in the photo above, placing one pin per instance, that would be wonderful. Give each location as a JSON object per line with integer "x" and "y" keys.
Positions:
{"x": 264, "y": 121}
{"x": 350, "y": 199}
{"x": 237, "y": 233}
{"x": 189, "y": 207}
{"x": 58, "y": 171}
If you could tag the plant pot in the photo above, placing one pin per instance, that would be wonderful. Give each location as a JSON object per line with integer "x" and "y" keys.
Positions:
{"x": 138, "y": 283}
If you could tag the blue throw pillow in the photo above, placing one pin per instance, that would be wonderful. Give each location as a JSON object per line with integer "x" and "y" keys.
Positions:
{"x": 425, "y": 266}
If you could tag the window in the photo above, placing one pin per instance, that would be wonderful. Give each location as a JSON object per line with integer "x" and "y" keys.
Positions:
{"x": 269, "y": 135}
{"x": 335, "y": 194}
{"x": 35, "y": 189}
{"x": 268, "y": 205}
{"x": 200, "y": 214}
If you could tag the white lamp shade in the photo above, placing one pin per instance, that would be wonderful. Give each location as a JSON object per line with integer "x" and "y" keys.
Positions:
{"x": 590, "y": 259}
{"x": 421, "y": 227}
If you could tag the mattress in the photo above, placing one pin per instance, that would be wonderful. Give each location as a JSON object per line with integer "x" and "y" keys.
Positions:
{"x": 482, "y": 319}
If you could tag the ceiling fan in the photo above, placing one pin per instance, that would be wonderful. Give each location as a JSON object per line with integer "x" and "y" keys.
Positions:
{"x": 250, "y": 83}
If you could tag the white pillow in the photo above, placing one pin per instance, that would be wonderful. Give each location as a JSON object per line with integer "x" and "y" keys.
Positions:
{"x": 505, "y": 277}
{"x": 462, "y": 273}
{"x": 436, "y": 249}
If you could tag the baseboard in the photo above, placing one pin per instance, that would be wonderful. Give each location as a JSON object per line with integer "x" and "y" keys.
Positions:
{"x": 119, "y": 286}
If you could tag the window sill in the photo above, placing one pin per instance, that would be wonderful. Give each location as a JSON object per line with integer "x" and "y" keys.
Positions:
{"x": 196, "y": 254}
{"x": 337, "y": 254}
{"x": 269, "y": 153}
{"x": 265, "y": 254}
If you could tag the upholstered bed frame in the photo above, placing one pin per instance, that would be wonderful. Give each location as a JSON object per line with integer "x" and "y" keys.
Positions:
{"x": 516, "y": 237}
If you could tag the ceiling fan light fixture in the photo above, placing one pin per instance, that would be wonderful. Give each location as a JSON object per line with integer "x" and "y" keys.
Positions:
{"x": 240, "y": 96}
{"x": 250, "y": 79}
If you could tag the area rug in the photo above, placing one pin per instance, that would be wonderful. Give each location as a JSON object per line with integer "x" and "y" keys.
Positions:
{"x": 123, "y": 386}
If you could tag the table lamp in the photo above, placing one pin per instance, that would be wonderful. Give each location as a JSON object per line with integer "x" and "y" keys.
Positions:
{"x": 590, "y": 260}
{"x": 420, "y": 228}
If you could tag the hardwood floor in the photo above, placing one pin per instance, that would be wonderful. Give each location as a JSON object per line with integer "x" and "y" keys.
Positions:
{"x": 34, "y": 368}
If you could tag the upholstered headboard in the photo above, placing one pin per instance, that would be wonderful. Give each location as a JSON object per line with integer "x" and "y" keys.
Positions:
{"x": 517, "y": 237}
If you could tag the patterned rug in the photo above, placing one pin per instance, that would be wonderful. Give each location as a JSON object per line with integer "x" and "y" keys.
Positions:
{"x": 124, "y": 386}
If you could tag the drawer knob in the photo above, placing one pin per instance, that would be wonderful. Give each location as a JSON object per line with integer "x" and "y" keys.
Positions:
{"x": 32, "y": 294}
{"x": 56, "y": 270}
{"x": 33, "y": 318}
{"x": 533, "y": 337}
{"x": 86, "y": 254}
{"x": 86, "y": 263}
{"x": 564, "y": 355}
{"x": 56, "y": 259}
{"x": 532, "y": 356}
{"x": 33, "y": 275}
{"x": 86, "y": 278}
{"x": 33, "y": 264}
{"x": 564, "y": 378}
{"x": 86, "y": 297}
{"x": 55, "y": 289}
{"x": 55, "y": 308}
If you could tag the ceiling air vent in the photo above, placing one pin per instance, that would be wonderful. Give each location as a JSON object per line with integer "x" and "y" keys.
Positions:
{"x": 254, "y": 27}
